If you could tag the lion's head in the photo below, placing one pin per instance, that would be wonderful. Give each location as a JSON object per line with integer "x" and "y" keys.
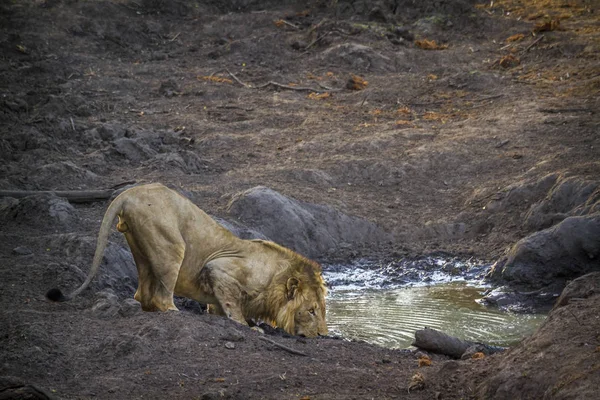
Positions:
{"x": 303, "y": 312}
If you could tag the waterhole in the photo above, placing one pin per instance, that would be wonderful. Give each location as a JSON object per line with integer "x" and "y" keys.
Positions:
{"x": 386, "y": 304}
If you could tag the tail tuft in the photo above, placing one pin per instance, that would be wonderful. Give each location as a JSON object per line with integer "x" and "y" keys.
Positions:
{"x": 55, "y": 295}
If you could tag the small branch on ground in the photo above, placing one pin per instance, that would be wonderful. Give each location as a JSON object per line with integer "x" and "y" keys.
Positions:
{"x": 237, "y": 79}
{"x": 532, "y": 44}
{"x": 281, "y": 346}
{"x": 441, "y": 343}
{"x": 277, "y": 84}
{"x": 283, "y": 21}
{"x": 311, "y": 44}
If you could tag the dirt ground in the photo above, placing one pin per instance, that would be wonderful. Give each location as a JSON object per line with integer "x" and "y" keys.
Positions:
{"x": 99, "y": 93}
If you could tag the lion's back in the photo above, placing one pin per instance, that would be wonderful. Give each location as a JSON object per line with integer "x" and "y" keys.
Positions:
{"x": 157, "y": 204}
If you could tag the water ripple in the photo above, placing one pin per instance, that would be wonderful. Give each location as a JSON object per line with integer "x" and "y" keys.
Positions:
{"x": 390, "y": 317}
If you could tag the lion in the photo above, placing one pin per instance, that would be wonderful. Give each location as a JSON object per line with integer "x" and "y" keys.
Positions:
{"x": 179, "y": 250}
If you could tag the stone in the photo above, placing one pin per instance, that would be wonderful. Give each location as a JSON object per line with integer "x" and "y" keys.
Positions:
{"x": 564, "y": 251}
{"x": 310, "y": 229}
{"x": 22, "y": 251}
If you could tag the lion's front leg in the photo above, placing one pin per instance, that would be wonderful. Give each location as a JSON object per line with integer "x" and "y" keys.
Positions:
{"x": 229, "y": 304}
{"x": 215, "y": 309}
{"x": 225, "y": 289}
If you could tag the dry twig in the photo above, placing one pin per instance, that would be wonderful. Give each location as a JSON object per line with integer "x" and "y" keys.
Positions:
{"x": 237, "y": 79}
{"x": 532, "y": 44}
{"x": 283, "y": 21}
{"x": 281, "y": 346}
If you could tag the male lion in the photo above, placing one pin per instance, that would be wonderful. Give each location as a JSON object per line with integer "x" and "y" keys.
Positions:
{"x": 178, "y": 249}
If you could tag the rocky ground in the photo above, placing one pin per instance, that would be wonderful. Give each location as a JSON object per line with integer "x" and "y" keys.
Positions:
{"x": 342, "y": 129}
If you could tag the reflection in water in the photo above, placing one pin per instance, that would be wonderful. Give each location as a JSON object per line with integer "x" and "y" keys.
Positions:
{"x": 391, "y": 317}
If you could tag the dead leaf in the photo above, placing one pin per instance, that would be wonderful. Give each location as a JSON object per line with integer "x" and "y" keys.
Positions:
{"x": 404, "y": 123}
{"x": 432, "y": 77}
{"x": 317, "y": 96}
{"x": 417, "y": 382}
{"x": 213, "y": 78}
{"x": 478, "y": 356}
{"x": 509, "y": 61}
{"x": 426, "y": 44}
{"x": 404, "y": 110}
{"x": 356, "y": 83}
{"x": 546, "y": 26}
{"x": 424, "y": 361}
{"x": 219, "y": 379}
{"x": 515, "y": 38}
{"x": 279, "y": 23}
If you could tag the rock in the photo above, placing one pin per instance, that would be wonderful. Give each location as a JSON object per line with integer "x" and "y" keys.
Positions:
{"x": 117, "y": 270}
{"x": 312, "y": 230}
{"x": 549, "y": 200}
{"x": 169, "y": 88}
{"x": 521, "y": 193}
{"x": 67, "y": 170}
{"x": 46, "y": 210}
{"x": 358, "y": 57}
{"x": 239, "y": 230}
{"x": 186, "y": 161}
{"x": 109, "y": 132}
{"x": 569, "y": 196}
{"x": 580, "y": 288}
{"x": 106, "y": 305}
{"x": 133, "y": 150}
{"x": 16, "y": 388}
{"x": 230, "y": 345}
{"x": 22, "y": 251}
{"x": 130, "y": 307}
{"x": 565, "y": 251}
{"x": 232, "y": 335}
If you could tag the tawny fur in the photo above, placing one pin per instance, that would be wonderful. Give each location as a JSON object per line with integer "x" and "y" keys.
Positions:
{"x": 179, "y": 249}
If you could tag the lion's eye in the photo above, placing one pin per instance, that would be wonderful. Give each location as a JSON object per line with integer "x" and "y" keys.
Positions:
{"x": 312, "y": 311}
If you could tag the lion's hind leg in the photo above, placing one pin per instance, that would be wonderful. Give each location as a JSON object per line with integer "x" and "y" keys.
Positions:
{"x": 165, "y": 273}
{"x": 158, "y": 269}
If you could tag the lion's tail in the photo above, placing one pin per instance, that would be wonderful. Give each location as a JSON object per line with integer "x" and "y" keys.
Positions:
{"x": 111, "y": 213}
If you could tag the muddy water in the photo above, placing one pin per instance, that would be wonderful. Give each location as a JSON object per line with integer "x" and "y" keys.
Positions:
{"x": 390, "y": 316}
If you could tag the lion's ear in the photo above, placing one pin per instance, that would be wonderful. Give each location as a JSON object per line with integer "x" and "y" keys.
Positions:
{"x": 293, "y": 285}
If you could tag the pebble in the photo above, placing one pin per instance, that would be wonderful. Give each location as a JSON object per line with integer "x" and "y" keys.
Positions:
{"x": 22, "y": 251}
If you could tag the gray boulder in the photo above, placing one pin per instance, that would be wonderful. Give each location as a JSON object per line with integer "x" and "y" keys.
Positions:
{"x": 581, "y": 288}
{"x": 42, "y": 210}
{"x": 568, "y": 197}
{"x": 312, "y": 230}
{"x": 565, "y": 251}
